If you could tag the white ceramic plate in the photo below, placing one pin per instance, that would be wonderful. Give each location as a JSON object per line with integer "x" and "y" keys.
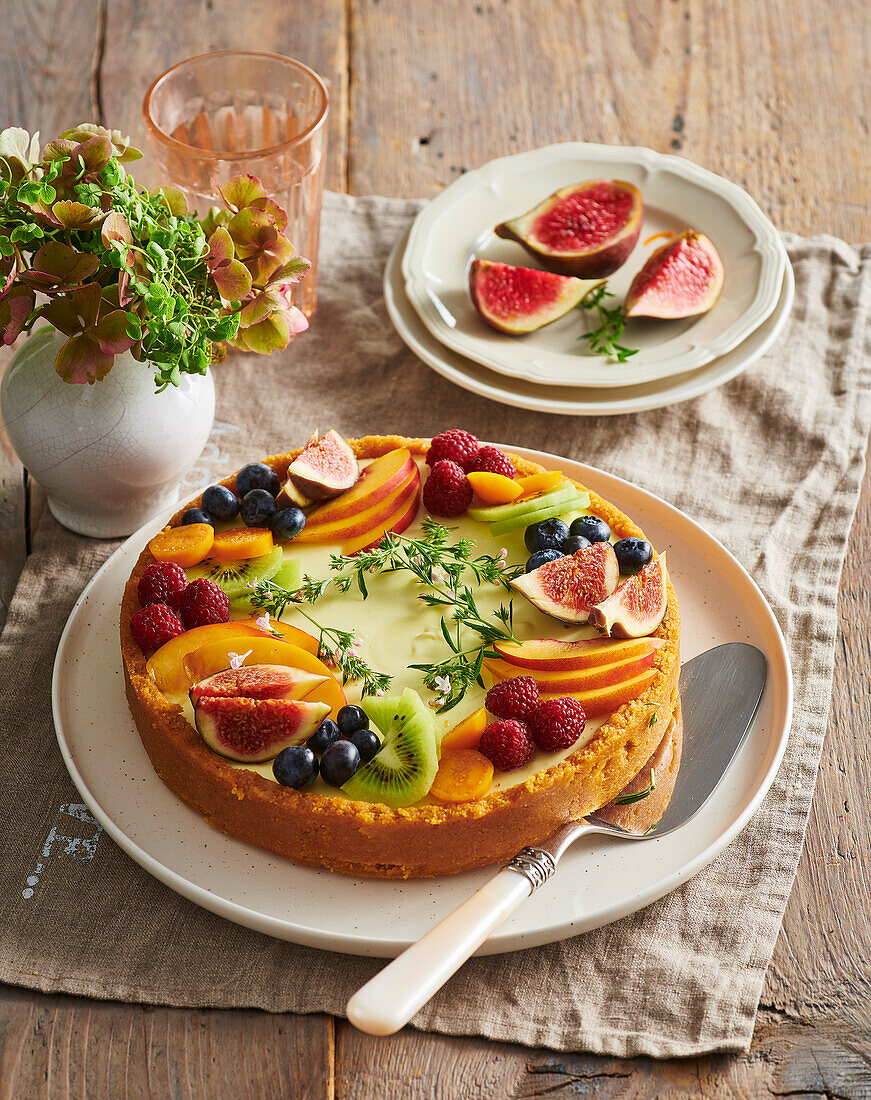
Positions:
{"x": 458, "y": 226}
{"x": 566, "y": 400}
{"x": 597, "y": 882}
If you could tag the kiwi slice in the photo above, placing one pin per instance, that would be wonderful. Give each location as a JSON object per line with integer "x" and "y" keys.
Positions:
{"x": 289, "y": 574}
{"x": 514, "y": 523}
{"x": 234, "y": 577}
{"x": 403, "y": 771}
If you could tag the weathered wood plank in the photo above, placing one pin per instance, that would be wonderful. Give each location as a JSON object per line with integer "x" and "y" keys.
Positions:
{"x": 60, "y": 1047}
{"x": 49, "y": 55}
{"x": 770, "y": 95}
{"x": 142, "y": 40}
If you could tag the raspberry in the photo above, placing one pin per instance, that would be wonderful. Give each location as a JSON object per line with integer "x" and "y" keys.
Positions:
{"x": 162, "y": 582}
{"x": 202, "y": 603}
{"x": 490, "y": 460}
{"x": 507, "y": 745}
{"x": 447, "y": 491}
{"x": 514, "y": 698}
{"x": 557, "y": 723}
{"x": 154, "y": 626}
{"x": 455, "y": 445}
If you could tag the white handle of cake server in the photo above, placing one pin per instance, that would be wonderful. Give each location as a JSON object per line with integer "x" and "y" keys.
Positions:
{"x": 387, "y": 1002}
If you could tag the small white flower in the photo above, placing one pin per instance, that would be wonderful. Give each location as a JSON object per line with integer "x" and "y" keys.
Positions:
{"x": 356, "y": 643}
{"x": 379, "y": 691}
{"x": 263, "y": 622}
{"x": 238, "y": 659}
{"x": 443, "y": 683}
{"x": 439, "y": 576}
{"x": 503, "y": 554}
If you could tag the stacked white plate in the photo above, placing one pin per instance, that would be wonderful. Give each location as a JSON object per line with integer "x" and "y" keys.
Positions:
{"x": 552, "y": 370}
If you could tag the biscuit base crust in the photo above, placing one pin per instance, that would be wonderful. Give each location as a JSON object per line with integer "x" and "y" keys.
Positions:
{"x": 374, "y": 841}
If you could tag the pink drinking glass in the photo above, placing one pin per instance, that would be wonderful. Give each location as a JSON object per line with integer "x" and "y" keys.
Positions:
{"x": 245, "y": 111}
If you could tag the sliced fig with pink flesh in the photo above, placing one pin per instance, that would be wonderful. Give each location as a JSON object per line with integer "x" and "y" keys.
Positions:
{"x": 257, "y": 682}
{"x": 325, "y": 467}
{"x": 569, "y": 587}
{"x": 680, "y": 279}
{"x": 518, "y": 300}
{"x": 637, "y": 606}
{"x": 586, "y": 230}
{"x": 254, "y": 730}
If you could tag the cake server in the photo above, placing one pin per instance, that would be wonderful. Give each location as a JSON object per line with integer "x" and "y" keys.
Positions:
{"x": 720, "y": 692}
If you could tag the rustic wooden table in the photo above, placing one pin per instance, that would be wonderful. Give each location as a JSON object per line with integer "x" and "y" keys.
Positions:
{"x": 774, "y": 95}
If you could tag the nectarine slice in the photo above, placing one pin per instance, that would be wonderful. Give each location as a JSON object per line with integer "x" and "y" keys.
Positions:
{"x": 398, "y": 522}
{"x": 215, "y": 657}
{"x": 377, "y": 481}
{"x": 608, "y": 699}
{"x": 165, "y": 666}
{"x": 352, "y": 527}
{"x": 464, "y": 775}
{"x": 186, "y": 545}
{"x": 579, "y": 679}
{"x": 553, "y": 654}
{"x": 494, "y": 488}
{"x": 467, "y": 733}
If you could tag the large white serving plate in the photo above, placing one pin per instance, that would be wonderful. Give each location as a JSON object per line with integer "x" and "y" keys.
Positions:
{"x": 568, "y": 400}
{"x": 598, "y": 881}
{"x": 457, "y": 226}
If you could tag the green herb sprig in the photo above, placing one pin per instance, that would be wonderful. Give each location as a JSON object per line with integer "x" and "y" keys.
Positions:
{"x": 446, "y": 570}
{"x": 603, "y": 340}
{"x": 334, "y": 646}
{"x": 629, "y": 799}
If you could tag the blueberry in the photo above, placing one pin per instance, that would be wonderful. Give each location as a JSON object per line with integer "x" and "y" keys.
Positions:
{"x": 257, "y": 508}
{"x": 257, "y": 475}
{"x": 368, "y": 744}
{"x": 550, "y": 534}
{"x": 197, "y": 515}
{"x": 295, "y": 766}
{"x": 221, "y": 502}
{"x": 350, "y": 719}
{"x": 339, "y": 763}
{"x": 540, "y": 557}
{"x": 591, "y": 528}
{"x": 633, "y": 554}
{"x": 288, "y": 523}
{"x": 326, "y": 733}
{"x": 576, "y": 543}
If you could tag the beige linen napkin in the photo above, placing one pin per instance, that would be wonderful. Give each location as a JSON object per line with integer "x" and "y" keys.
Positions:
{"x": 770, "y": 463}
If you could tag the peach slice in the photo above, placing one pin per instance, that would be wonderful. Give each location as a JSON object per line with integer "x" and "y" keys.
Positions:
{"x": 467, "y": 733}
{"x": 464, "y": 775}
{"x": 360, "y": 522}
{"x": 553, "y": 655}
{"x": 494, "y": 488}
{"x": 605, "y": 700}
{"x": 403, "y": 517}
{"x": 215, "y": 657}
{"x": 166, "y": 668}
{"x": 376, "y": 482}
{"x": 582, "y": 679}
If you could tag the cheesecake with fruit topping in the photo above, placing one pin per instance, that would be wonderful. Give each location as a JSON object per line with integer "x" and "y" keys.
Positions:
{"x": 399, "y": 658}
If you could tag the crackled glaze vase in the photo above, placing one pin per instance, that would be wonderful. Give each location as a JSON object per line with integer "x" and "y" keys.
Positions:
{"x": 109, "y": 455}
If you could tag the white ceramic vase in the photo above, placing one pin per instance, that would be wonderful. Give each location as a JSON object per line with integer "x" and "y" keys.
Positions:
{"x": 109, "y": 455}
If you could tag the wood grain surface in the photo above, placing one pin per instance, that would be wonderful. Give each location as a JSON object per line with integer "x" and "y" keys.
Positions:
{"x": 775, "y": 95}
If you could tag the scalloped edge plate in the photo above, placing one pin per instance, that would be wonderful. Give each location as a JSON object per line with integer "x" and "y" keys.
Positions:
{"x": 457, "y": 226}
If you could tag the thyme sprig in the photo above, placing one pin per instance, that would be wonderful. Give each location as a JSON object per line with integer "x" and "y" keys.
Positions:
{"x": 446, "y": 570}
{"x": 629, "y": 799}
{"x": 335, "y": 646}
{"x": 603, "y": 340}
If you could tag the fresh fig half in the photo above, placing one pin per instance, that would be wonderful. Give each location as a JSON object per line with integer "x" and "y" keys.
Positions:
{"x": 257, "y": 682}
{"x": 587, "y": 229}
{"x": 638, "y": 605}
{"x": 569, "y": 587}
{"x": 681, "y": 279}
{"x": 291, "y": 497}
{"x": 325, "y": 467}
{"x": 254, "y": 730}
{"x": 521, "y": 299}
